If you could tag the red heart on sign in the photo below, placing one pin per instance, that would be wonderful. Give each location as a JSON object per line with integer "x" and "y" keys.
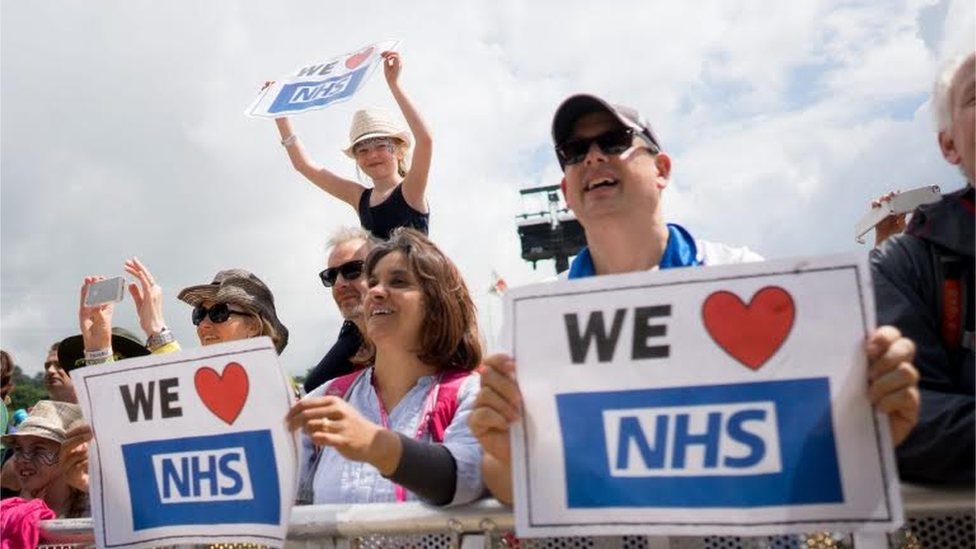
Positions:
{"x": 355, "y": 60}
{"x": 224, "y": 395}
{"x": 750, "y": 333}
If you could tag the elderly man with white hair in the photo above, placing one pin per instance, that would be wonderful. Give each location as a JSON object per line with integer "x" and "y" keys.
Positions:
{"x": 924, "y": 285}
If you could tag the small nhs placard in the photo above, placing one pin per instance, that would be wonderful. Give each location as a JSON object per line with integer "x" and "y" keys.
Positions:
{"x": 218, "y": 479}
{"x": 743, "y": 445}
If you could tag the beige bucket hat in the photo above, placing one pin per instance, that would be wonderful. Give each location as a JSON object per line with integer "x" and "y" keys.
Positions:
{"x": 48, "y": 419}
{"x": 375, "y": 122}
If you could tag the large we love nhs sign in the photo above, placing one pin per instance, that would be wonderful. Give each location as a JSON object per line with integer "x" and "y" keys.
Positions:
{"x": 700, "y": 401}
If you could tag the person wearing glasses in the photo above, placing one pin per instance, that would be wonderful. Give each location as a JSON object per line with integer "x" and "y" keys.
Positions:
{"x": 344, "y": 276}
{"x": 381, "y": 149}
{"x": 235, "y": 305}
{"x": 397, "y": 430}
{"x": 614, "y": 175}
{"x": 36, "y": 448}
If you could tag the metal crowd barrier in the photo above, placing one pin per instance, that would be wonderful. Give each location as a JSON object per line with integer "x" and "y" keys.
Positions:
{"x": 935, "y": 519}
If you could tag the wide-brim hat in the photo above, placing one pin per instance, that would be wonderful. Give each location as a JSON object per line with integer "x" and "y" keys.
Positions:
{"x": 125, "y": 344}
{"x": 375, "y": 122}
{"x": 49, "y": 419}
{"x": 242, "y": 288}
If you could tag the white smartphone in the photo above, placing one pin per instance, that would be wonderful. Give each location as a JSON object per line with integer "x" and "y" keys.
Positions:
{"x": 106, "y": 291}
{"x": 901, "y": 203}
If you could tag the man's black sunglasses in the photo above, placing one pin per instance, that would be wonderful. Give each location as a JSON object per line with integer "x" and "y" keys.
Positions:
{"x": 218, "y": 313}
{"x": 350, "y": 271}
{"x": 573, "y": 151}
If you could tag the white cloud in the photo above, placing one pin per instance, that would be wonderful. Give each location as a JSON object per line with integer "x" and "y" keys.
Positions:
{"x": 123, "y": 133}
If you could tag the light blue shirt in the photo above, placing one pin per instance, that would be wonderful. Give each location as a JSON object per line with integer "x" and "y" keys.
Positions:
{"x": 339, "y": 480}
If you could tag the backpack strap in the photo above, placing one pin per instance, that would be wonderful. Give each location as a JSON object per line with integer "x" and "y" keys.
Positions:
{"x": 340, "y": 385}
{"x": 447, "y": 402}
{"x": 954, "y": 274}
{"x": 969, "y": 325}
{"x": 445, "y": 407}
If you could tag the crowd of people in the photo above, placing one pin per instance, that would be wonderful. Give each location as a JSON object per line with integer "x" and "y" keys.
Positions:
{"x": 404, "y": 406}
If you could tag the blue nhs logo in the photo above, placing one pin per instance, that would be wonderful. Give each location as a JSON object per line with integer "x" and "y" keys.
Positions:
{"x": 738, "y": 445}
{"x": 690, "y": 441}
{"x": 319, "y": 93}
{"x": 218, "y": 479}
{"x": 209, "y": 475}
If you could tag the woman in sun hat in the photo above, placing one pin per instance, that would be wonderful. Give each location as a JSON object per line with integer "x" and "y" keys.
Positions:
{"x": 235, "y": 305}
{"x": 381, "y": 148}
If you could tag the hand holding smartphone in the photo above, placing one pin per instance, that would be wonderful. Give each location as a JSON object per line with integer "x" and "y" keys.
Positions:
{"x": 105, "y": 291}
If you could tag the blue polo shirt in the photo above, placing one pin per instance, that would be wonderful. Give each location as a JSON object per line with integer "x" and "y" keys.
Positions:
{"x": 681, "y": 251}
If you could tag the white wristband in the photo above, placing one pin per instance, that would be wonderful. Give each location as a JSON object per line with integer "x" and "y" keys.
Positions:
{"x": 286, "y": 142}
{"x": 98, "y": 357}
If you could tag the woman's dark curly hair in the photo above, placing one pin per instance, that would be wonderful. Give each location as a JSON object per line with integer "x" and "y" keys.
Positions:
{"x": 449, "y": 338}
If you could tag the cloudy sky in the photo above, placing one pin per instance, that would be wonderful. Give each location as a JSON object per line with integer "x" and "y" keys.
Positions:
{"x": 123, "y": 133}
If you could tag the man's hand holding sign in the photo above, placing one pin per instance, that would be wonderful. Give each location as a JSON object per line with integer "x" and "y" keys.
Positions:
{"x": 187, "y": 450}
{"x": 741, "y": 393}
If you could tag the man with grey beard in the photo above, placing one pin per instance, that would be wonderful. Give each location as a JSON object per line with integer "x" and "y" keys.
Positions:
{"x": 345, "y": 276}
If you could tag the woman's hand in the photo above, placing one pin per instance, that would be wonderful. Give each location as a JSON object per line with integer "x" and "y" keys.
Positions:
{"x": 331, "y": 421}
{"x": 148, "y": 297}
{"x": 391, "y": 67}
{"x": 95, "y": 322}
{"x": 74, "y": 456}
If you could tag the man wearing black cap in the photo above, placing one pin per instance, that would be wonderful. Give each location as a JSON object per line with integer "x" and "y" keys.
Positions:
{"x": 614, "y": 174}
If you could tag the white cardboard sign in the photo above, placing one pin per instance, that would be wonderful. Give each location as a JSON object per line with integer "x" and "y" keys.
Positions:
{"x": 190, "y": 447}
{"x": 319, "y": 85}
{"x": 700, "y": 401}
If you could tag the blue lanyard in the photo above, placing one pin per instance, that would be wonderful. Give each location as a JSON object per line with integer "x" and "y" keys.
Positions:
{"x": 681, "y": 251}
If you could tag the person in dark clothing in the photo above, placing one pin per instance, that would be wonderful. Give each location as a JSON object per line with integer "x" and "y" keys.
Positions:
{"x": 924, "y": 283}
{"x": 344, "y": 276}
{"x": 381, "y": 149}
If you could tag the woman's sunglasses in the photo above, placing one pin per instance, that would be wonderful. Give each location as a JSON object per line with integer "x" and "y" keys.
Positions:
{"x": 217, "y": 314}
{"x": 574, "y": 151}
{"x": 350, "y": 271}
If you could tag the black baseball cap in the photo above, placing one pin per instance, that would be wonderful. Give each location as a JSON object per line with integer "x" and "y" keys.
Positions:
{"x": 578, "y": 105}
{"x": 125, "y": 344}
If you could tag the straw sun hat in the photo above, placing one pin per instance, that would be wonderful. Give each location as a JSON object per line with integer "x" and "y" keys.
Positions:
{"x": 48, "y": 419}
{"x": 375, "y": 122}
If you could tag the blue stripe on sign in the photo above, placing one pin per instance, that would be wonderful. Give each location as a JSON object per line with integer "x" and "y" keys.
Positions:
{"x": 738, "y": 445}
{"x": 221, "y": 479}
{"x": 302, "y": 95}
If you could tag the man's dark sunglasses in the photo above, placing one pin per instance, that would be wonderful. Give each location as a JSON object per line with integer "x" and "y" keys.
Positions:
{"x": 350, "y": 271}
{"x": 218, "y": 313}
{"x": 573, "y": 151}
